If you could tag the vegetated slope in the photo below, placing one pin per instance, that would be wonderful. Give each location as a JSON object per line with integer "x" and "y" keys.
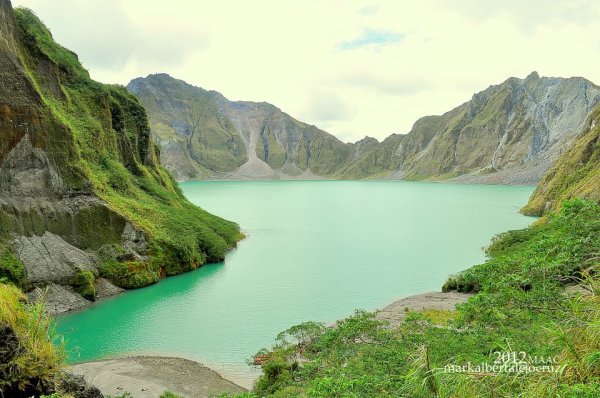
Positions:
{"x": 204, "y": 135}
{"x": 82, "y": 193}
{"x": 511, "y": 133}
{"x": 576, "y": 174}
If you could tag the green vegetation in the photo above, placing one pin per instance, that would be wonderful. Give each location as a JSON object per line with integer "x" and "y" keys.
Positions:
{"x": 128, "y": 274}
{"x": 12, "y": 269}
{"x": 84, "y": 283}
{"x": 31, "y": 354}
{"x": 169, "y": 394}
{"x": 521, "y": 307}
{"x": 105, "y": 149}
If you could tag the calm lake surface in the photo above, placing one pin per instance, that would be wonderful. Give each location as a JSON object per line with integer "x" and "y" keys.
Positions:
{"x": 315, "y": 250}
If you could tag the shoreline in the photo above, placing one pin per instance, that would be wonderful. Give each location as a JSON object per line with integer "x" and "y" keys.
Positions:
{"x": 150, "y": 376}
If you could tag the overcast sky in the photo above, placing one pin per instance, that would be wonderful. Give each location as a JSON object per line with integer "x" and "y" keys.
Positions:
{"x": 353, "y": 68}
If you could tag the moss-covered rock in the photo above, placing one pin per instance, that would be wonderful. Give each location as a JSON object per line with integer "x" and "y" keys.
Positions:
{"x": 11, "y": 267}
{"x": 84, "y": 283}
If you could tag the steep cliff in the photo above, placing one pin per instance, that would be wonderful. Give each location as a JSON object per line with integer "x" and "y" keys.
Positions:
{"x": 204, "y": 135}
{"x": 511, "y": 133}
{"x": 82, "y": 193}
{"x": 576, "y": 174}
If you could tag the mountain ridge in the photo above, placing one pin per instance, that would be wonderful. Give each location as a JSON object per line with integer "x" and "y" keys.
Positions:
{"x": 510, "y": 133}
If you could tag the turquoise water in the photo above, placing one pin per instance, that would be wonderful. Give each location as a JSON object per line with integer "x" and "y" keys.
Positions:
{"x": 315, "y": 250}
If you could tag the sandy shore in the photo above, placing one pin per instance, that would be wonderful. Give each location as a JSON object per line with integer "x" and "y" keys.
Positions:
{"x": 148, "y": 377}
{"x": 396, "y": 312}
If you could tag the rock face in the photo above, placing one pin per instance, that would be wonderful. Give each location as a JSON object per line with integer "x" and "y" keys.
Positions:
{"x": 48, "y": 258}
{"x": 204, "y": 135}
{"x": 58, "y": 298}
{"x": 82, "y": 192}
{"x": 576, "y": 174}
{"x": 511, "y": 133}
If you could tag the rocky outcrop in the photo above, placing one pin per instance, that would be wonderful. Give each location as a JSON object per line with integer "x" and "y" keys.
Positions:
{"x": 575, "y": 175}
{"x": 48, "y": 258}
{"x": 511, "y": 133}
{"x": 82, "y": 194}
{"x": 57, "y": 298}
{"x": 395, "y": 313}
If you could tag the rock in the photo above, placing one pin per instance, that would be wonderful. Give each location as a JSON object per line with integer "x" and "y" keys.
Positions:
{"x": 28, "y": 171}
{"x": 396, "y": 312}
{"x": 106, "y": 289}
{"x": 58, "y": 299}
{"x": 49, "y": 258}
{"x": 9, "y": 347}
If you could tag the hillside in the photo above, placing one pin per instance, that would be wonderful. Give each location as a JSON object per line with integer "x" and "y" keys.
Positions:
{"x": 204, "y": 135}
{"x": 576, "y": 174}
{"x": 511, "y": 133}
{"x": 82, "y": 194}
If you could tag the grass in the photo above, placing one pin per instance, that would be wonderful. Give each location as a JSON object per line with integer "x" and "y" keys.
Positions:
{"x": 40, "y": 355}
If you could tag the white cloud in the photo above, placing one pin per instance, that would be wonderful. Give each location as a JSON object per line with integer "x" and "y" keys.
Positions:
{"x": 402, "y": 59}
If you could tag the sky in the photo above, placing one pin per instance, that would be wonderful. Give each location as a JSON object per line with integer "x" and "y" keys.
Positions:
{"x": 352, "y": 68}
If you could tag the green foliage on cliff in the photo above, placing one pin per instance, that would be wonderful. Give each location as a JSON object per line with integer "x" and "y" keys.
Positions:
{"x": 115, "y": 158}
{"x": 576, "y": 174}
{"x": 128, "y": 274}
{"x": 521, "y": 307}
{"x": 83, "y": 283}
{"x": 12, "y": 269}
